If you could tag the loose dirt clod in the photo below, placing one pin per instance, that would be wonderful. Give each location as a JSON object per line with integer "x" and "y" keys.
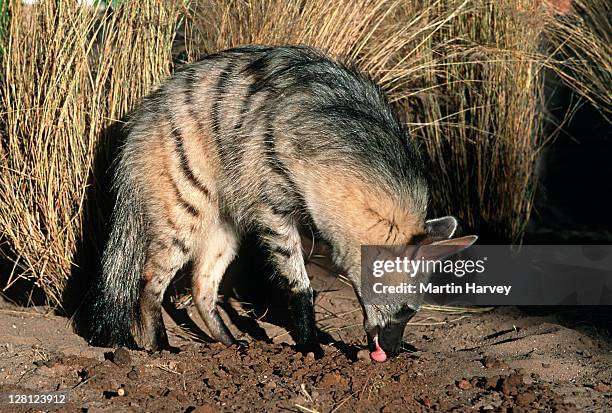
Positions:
{"x": 491, "y": 362}
{"x": 463, "y": 384}
{"x": 363, "y": 355}
{"x": 490, "y": 383}
{"x": 525, "y": 398}
{"x": 333, "y": 379}
{"x": 121, "y": 357}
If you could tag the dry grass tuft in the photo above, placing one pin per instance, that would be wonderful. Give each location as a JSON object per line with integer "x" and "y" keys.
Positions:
{"x": 68, "y": 73}
{"x": 581, "y": 45}
{"x": 479, "y": 115}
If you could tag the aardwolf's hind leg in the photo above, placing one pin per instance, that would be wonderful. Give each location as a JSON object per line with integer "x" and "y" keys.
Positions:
{"x": 216, "y": 252}
{"x": 164, "y": 258}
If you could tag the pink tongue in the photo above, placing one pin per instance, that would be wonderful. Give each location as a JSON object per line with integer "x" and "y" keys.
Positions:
{"x": 378, "y": 354}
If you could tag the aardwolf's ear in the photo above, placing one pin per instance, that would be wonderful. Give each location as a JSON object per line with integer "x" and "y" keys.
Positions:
{"x": 441, "y": 228}
{"x": 438, "y": 250}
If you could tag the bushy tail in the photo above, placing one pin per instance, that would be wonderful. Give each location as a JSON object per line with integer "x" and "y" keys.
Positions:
{"x": 115, "y": 295}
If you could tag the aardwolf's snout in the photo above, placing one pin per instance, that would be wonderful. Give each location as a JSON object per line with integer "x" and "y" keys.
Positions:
{"x": 385, "y": 342}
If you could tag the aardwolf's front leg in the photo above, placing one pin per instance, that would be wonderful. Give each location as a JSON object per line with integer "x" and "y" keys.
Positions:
{"x": 282, "y": 237}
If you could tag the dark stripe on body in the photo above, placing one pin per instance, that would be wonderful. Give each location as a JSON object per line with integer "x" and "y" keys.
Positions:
{"x": 183, "y": 161}
{"x": 192, "y": 80}
{"x": 271, "y": 155}
{"x": 186, "y": 205}
{"x": 228, "y": 152}
{"x": 277, "y": 166}
{"x": 280, "y": 207}
{"x": 157, "y": 244}
{"x": 222, "y": 82}
{"x": 281, "y": 251}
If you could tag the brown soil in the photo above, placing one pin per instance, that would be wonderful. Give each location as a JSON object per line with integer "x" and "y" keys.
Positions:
{"x": 499, "y": 360}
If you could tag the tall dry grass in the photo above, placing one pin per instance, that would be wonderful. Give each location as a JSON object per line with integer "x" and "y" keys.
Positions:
{"x": 581, "y": 48}
{"x": 480, "y": 115}
{"x": 68, "y": 72}
{"x": 465, "y": 74}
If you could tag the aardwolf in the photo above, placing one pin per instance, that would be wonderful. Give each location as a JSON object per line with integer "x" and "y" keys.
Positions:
{"x": 258, "y": 139}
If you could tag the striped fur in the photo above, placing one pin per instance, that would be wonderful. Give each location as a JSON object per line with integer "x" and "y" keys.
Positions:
{"x": 254, "y": 138}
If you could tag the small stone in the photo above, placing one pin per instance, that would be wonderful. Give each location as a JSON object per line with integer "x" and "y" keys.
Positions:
{"x": 491, "y": 382}
{"x": 463, "y": 384}
{"x": 526, "y": 398}
{"x": 364, "y": 355}
{"x": 121, "y": 357}
{"x": 515, "y": 379}
{"x": 491, "y": 362}
{"x": 546, "y": 365}
{"x": 133, "y": 375}
{"x": 121, "y": 391}
{"x": 333, "y": 380}
{"x": 425, "y": 401}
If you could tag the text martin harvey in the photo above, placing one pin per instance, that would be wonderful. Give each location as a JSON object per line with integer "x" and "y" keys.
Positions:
{"x": 451, "y": 288}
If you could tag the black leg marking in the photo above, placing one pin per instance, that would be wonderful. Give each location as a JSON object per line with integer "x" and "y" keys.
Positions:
{"x": 302, "y": 311}
{"x": 286, "y": 253}
{"x": 161, "y": 336}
